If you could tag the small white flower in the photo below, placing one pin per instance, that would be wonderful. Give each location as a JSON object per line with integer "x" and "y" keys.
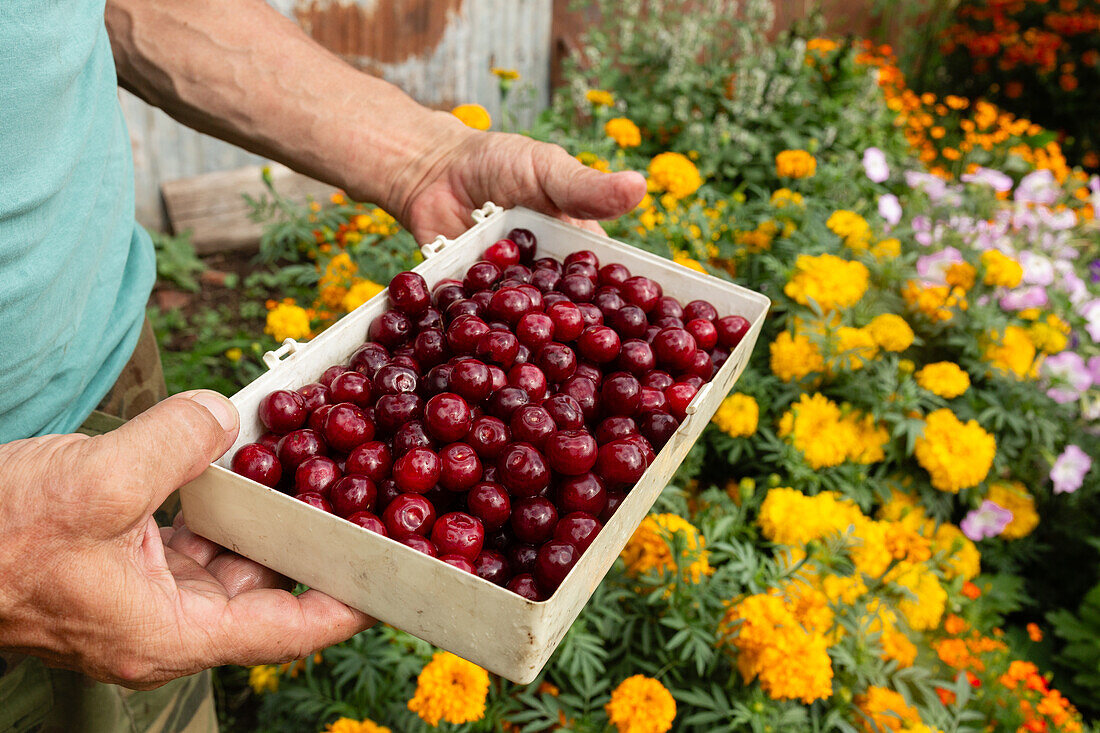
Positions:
{"x": 874, "y": 165}
{"x": 1068, "y": 472}
{"x": 889, "y": 208}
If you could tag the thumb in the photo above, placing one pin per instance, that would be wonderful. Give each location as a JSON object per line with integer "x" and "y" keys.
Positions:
{"x": 586, "y": 193}
{"x": 166, "y": 446}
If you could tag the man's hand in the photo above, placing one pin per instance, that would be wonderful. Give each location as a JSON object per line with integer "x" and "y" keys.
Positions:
{"x": 89, "y": 582}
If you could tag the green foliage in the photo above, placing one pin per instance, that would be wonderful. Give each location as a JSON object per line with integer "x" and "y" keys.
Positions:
{"x": 177, "y": 262}
{"x": 1081, "y": 654}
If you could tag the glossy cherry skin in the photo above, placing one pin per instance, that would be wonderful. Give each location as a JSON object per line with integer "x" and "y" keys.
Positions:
{"x": 615, "y": 427}
{"x": 408, "y": 514}
{"x": 704, "y": 332}
{"x": 538, "y": 302}
{"x": 430, "y": 347}
{"x": 609, "y": 302}
{"x": 679, "y": 396}
{"x": 699, "y": 309}
{"x": 586, "y": 394}
{"x": 481, "y": 276}
{"x": 391, "y": 329}
{"x": 409, "y": 293}
{"x": 731, "y": 329}
{"x": 447, "y": 292}
{"x": 259, "y": 463}
{"x": 652, "y": 399}
{"x": 464, "y": 307}
{"x": 599, "y": 344}
{"x": 523, "y": 470}
{"x": 719, "y": 356}
{"x": 315, "y": 395}
{"x": 420, "y": 544}
{"x": 489, "y": 502}
{"x": 315, "y": 475}
{"x": 500, "y": 347}
{"x": 346, "y": 426}
{"x": 488, "y": 436}
{"x": 431, "y": 318}
{"x": 658, "y": 380}
{"x": 368, "y": 358}
{"x": 578, "y": 529}
{"x": 500, "y": 378}
{"x": 353, "y": 494}
{"x": 411, "y": 435}
{"x": 509, "y": 305}
{"x": 533, "y": 519}
{"x": 457, "y": 561}
{"x": 549, "y": 263}
{"x": 530, "y": 379}
{"x": 464, "y": 334}
{"x": 315, "y": 500}
{"x": 674, "y": 348}
{"x": 458, "y": 533}
{"x": 502, "y": 253}
{"x": 658, "y": 427}
{"x": 701, "y": 366}
{"x": 271, "y": 440}
{"x": 630, "y": 322}
{"x": 532, "y": 424}
{"x": 545, "y": 280}
{"x": 535, "y": 330}
{"x": 334, "y": 371}
{"x": 351, "y": 387}
{"x": 367, "y": 520}
{"x": 615, "y": 498}
{"x": 438, "y": 379}
{"x": 636, "y": 357}
{"x": 568, "y": 321}
{"x": 521, "y": 556}
{"x": 471, "y": 380}
{"x": 447, "y": 417}
{"x": 565, "y": 411}
{"x": 620, "y": 463}
{"x": 578, "y": 288}
{"x": 613, "y": 274}
{"x": 522, "y": 273}
{"x": 647, "y": 450}
{"x": 620, "y": 394}
{"x": 492, "y": 566}
{"x": 394, "y": 410}
{"x": 387, "y": 492}
{"x": 557, "y": 361}
{"x": 526, "y": 241}
{"x": 642, "y": 292}
{"x": 591, "y": 315}
{"x": 524, "y": 585}
{"x": 667, "y": 307}
{"x": 283, "y": 411}
{"x": 554, "y": 561}
{"x": 299, "y": 445}
{"x": 584, "y": 493}
{"x": 571, "y": 452}
{"x": 461, "y": 467}
{"x": 667, "y": 322}
{"x": 505, "y": 401}
{"x": 417, "y": 471}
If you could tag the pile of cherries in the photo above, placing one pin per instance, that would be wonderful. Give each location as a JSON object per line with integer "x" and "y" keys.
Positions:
{"x": 497, "y": 422}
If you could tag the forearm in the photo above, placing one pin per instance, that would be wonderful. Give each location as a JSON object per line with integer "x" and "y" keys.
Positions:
{"x": 240, "y": 71}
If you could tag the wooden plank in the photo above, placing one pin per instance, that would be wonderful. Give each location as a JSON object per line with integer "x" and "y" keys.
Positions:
{"x": 212, "y": 205}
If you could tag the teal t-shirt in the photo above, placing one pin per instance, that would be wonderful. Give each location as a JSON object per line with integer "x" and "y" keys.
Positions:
{"x": 75, "y": 268}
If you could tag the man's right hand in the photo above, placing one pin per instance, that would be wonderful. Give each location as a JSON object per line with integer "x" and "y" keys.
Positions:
{"x": 89, "y": 582}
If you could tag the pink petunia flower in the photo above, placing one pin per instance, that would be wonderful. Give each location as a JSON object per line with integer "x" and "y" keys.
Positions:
{"x": 1069, "y": 470}
{"x": 988, "y": 520}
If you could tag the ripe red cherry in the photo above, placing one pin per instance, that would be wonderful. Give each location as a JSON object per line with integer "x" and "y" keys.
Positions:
{"x": 488, "y": 436}
{"x": 366, "y": 520}
{"x": 297, "y": 446}
{"x": 481, "y": 276}
{"x": 554, "y": 561}
{"x": 614, "y": 501}
{"x": 464, "y": 307}
{"x": 591, "y": 371}
{"x": 522, "y": 273}
{"x": 316, "y": 421}
{"x": 642, "y": 292}
{"x": 509, "y": 305}
{"x": 431, "y": 318}
{"x": 464, "y": 334}
{"x": 499, "y": 377}
{"x": 699, "y": 309}
{"x": 332, "y": 373}
{"x": 347, "y": 426}
{"x": 315, "y": 475}
{"x": 679, "y": 396}
{"x": 458, "y": 561}
{"x": 530, "y": 379}
{"x": 351, "y": 387}
{"x": 586, "y": 394}
{"x": 367, "y": 359}
{"x": 315, "y": 395}
{"x": 546, "y": 280}
{"x": 557, "y": 362}
{"x": 257, "y": 462}
{"x": 447, "y": 292}
{"x": 447, "y": 417}
{"x": 674, "y": 348}
{"x": 499, "y": 347}
{"x": 505, "y": 401}
{"x": 652, "y": 399}
{"x": 489, "y": 502}
{"x": 409, "y": 293}
{"x": 538, "y": 303}
{"x": 609, "y": 302}
{"x": 391, "y": 329}
{"x": 492, "y": 566}
{"x": 283, "y": 411}
{"x": 731, "y": 329}
{"x": 502, "y": 253}
{"x": 430, "y": 347}
{"x": 571, "y": 452}
{"x": 582, "y": 256}
{"x": 647, "y": 449}
{"x": 615, "y": 427}
{"x": 394, "y": 410}
{"x": 353, "y": 494}
{"x": 583, "y": 493}
{"x": 692, "y": 379}
{"x": 460, "y": 534}
{"x": 621, "y": 462}
{"x": 668, "y": 322}
{"x": 315, "y": 500}
{"x": 590, "y": 314}
{"x": 578, "y": 529}
{"x": 613, "y": 274}
{"x": 387, "y": 492}
{"x": 408, "y": 514}
{"x": 461, "y": 468}
{"x": 471, "y": 380}
{"x": 521, "y": 556}
{"x": 533, "y": 519}
{"x": 630, "y": 322}
{"x": 599, "y": 344}
{"x": 701, "y": 365}
{"x": 271, "y": 440}
{"x": 523, "y": 470}
{"x": 578, "y": 288}
{"x": 417, "y": 471}
{"x": 704, "y": 333}
{"x": 658, "y": 380}
{"x": 532, "y": 424}
{"x": 412, "y": 435}
{"x": 437, "y": 380}
{"x": 565, "y": 412}
{"x": 636, "y": 357}
{"x": 526, "y": 241}
{"x": 567, "y": 319}
{"x": 419, "y": 544}
{"x": 620, "y": 394}
{"x": 524, "y": 585}
{"x": 534, "y": 330}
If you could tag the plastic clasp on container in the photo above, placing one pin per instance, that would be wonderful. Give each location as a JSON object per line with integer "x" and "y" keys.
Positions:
{"x": 289, "y": 348}
{"x": 487, "y": 210}
{"x": 433, "y": 247}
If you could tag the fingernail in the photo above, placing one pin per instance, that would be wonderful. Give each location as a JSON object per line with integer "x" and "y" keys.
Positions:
{"x": 220, "y": 407}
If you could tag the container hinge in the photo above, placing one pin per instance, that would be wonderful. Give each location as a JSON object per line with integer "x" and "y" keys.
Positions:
{"x": 276, "y": 357}
{"x": 693, "y": 406}
{"x": 489, "y": 209}
{"x": 434, "y": 247}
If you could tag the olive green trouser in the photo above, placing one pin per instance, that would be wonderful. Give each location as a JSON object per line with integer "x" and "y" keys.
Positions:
{"x": 36, "y": 698}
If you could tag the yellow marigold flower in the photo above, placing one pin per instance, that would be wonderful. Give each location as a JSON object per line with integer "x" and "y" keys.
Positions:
{"x": 808, "y": 605}
{"x": 789, "y": 517}
{"x": 897, "y": 646}
{"x": 934, "y": 301}
{"x": 844, "y": 590}
{"x": 593, "y": 161}
{"x": 758, "y": 239}
{"x": 641, "y": 704}
{"x": 885, "y": 710}
{"x": 961, "y": 275}
{"x": 473, "y": 115}
{"x": 871, "y": 439}
{"x": 961, "y": 557}
{"x": 869, "y": 551}
{"x": 1012, "y": 353}
{"x": 360, "y": 293}
{"x": 783, "y": 197}
{"x": 887, "y": 249}
{"x": 599, "y": 97}
{"x": 287, "y": 321}
{"x": 1034, "y": 632}
{"x": 925, "y": 601}
{"x": 1051, "y": 335}
{"x": 504, "y": 74}
{"x": 234, "y": 354}
{"x": 815, "y": 427}
{"x": 854, "y": 348}
{"x": 891, "y": 332}
{"x": 795, "y": 164}
{"x": 957, "y": 455}
{"x": 944, "y": 379}
{"x": 794, "y": 357}
{"x": 830, "y": 281}
{"x": 1013, "y": 496}
{"x": 1001, "y": 270}
{"x": 263, "y": 678}
{"x": 450, "y": 688}
{"x": 624, "y": 132}
{"x": 850, "y": 227}
{"x": 821, "y": 45}
{"x": 350, "y": 725}
{"x": 675, "y": 174}
{"x": 737, "y": 416}
{"x": 650, "y": 548}
{"x": 681, "y": 258}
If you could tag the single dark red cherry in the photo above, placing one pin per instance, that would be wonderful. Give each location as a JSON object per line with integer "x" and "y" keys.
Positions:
{"x": 524, "y": 585}
{"x": 505, "y": 401}
{"x": 630, "y": 321}
{"x": 447, "y": 417}
{"x": 590, "y": 314}
{"x": 353, "y": 494}
{"x": 535, "y": 330}
{"x": 674, "y": 348}
{"x": 509, "y": 305}
{"x": 488, "y": 436}
{"x": 699, "y": 309}
{"x": 367, "y": 520}
{"x": 458, "y": 533}
{"x": 499, "y": 347}
{"x": 526, "y": 241}
{"x": 315, "y": 475}
{"x": 461, "y": 467}
{"x": 368, "y": 358}
{"x": 615, "y": 498}
{"x": 417, "y": 471}
{"x": 582, "y": 256}
{"x": 411, "y": 435}
{"x": 471, "y": 380}
{"x": 565, "y": 412}
{"x": 347, "y": 426}
{"x": 500, "y": 378}
{"x": 555, "y": 560}
{"x": 283, "y": 411}
{"x": 464, "y": 334}
{"x": 652, "y": 399}
{"x": 557, "y": 362}
{"x": 571, "y": 452}
{"x": 409, "y": 293}
{"x": 704, "y": 332}
{"x": 464, "y": 307}
{"x": 578, "y": 529}
{"x": 405, "y": 356}
{"x": 392, "y": 328}
{"x": 658, "y": 427}
{"x": 492, "y": 566}
{"x": 667, "y": 307}
{"x": 589, "y": 370}
{"x": 447, "y": 292}
{"x": 546, "y": 280}
{"x": 259, "y": 463}
{"x": 522, "y": 273}
{"x": 583, "y": 493}
{"x": 420, "y": 544}
{"x": 578, "y": 288}
{"x": 315, "y": 395}
{"x": 533, "y": 519}
{"x": 521, "y": 556}
{"x": 620, "y": 394}
{"x": 489, "y": 502}
{"x": 731, "y": 329}
{"x": 719, "y": 356}
{"x": 271, "y": 440}
{"x": 642, "y": 292}
{"x": 647, "y": 450}
{"x": 523, "y": 470}
{"x": 538, "y": 302}
{"x": 586, "y": 394}
{"x": 408, "y": 514}
{"x": 615, "y": 427}
{"x": 609, "y": 302}
{"x": 532, "y": 424}
{"x": 437, "y": 380}
{"x": 431, "y": 318}
{"x": 567, "y": 319}
{"x": 658, "y": 380}
{"x": 580, "y": 268}
{"x": 502, "y": 253}
{"x": 599, "y": 344}
{"x": 636, "y": 357}
{"x": 316, "y": 421}
{"x": 701, "y": 366}
{"x": 387, "y": 492}
{"x": 667, "y": 322}
{"x": 679, "y": 396}
{"x": 613, "y": 274}
{"x": 332, "y": 373}
{"x": 394, "y": 410}
{"x": 297, "y": 446}
{"x": 430, "y": 347}
{"x": 530, "y": 379}
{"x": 351, "y": 387}
{"x": 693, "y": 379}
{"x": 621, "y": 463}
{"x": 316, "y": 501}
{"x": 481, "y": 276}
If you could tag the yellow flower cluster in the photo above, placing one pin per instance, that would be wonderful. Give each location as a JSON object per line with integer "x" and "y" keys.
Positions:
{"x": 943, "y": 378}
{"x": 737, "y": 416}
{"x": 758, "y": 239}
{"x": 795, "y": 164}
{"x": 450, "y": 688}
{"x": 641, "y": 704}
{"x": 593, "y": 161}
{"x": 1013, "y": 496}
{"x": 650, "y": 548}
{"x": 829, "y": 281}
{"x": 599, "y": 97}
{"x": 1050, "y": 335}
{"x": 504, "y": 74}
{"x": 263, "y": 678}
{"x": 781, "y": 198}
{"x": 359, "y": 293}
{"x": 957, "y": 455}
{"x": 335, "y": 280}
{"x": 885, "y": 710}
{"x": 789, "y": 517}
{"x": 825, "y": 436}
{"x": 794, "y": 356}
{"x": 285, "y": 320}
{"x": 936, "y": 302}
{"x": 926, "y": 600}
{"x": 682, "y": 259}
{"x": 887, "y": 249}
{"x": 850, "y": 227}
{"x": 1012, "y": 353}
{"x": 473, "y": 115}
{"x": 675, "y": 174}
{"x": 350, "y": 725}
{"x": 854, "y": 348}
{"x": 891, "y": 332}
{"x": 624, "y": 132}
{"x": 1001, "y": 270}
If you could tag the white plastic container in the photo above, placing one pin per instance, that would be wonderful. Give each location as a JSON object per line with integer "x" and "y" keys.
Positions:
{"x": 452, "y": 609}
